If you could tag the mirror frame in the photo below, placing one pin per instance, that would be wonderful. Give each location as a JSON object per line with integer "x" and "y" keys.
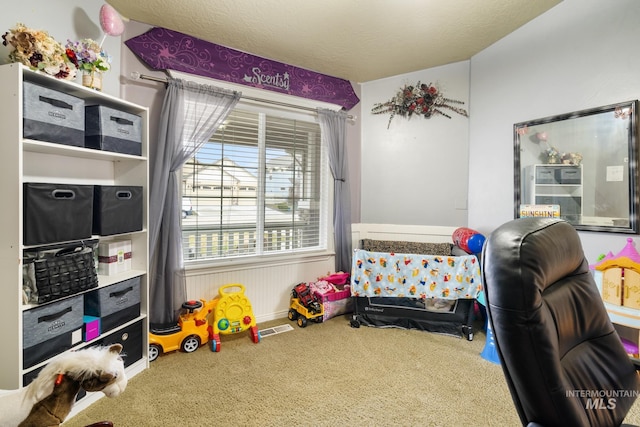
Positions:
{"x": 629, "y": 109}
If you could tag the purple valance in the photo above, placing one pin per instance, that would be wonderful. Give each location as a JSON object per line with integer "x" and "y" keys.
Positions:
{"x": 164, "y": 49}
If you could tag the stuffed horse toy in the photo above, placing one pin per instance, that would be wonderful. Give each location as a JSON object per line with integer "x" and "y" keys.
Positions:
{"x": 48, "y": 400}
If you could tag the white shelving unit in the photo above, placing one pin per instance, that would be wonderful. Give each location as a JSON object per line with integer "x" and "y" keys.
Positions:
{"x": 36, "y": 161}
{"x": 556, "y": 184}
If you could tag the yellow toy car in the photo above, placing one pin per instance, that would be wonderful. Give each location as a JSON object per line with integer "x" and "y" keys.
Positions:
{"x": 191, "y": 331}
{"x": 230, "y": 312}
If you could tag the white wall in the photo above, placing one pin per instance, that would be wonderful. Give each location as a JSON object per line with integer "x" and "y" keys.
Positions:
{"x": 66, "y": 19}
{"x": 580, "y": 54}
{"x": 415, "y": 172}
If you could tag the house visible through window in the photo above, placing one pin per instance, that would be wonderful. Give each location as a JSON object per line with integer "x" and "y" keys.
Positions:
{"x": 257, "y": 188}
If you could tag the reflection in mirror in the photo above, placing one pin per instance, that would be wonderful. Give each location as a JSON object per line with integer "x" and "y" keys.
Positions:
{"x": 580, "y": 167}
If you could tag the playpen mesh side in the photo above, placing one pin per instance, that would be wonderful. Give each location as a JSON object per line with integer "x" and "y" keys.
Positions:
{"x": 403, "y": 247}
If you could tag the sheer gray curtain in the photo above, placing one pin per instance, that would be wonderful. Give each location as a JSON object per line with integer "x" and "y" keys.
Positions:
{"x": 191, "y": 113}
{"x": 333, "y": 127}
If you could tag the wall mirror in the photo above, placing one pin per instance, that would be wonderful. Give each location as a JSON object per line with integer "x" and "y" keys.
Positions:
{"x": 581, "y": 167}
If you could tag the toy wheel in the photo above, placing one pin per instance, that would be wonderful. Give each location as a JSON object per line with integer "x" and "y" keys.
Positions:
{"x": 302, "y": 321}
{"x": 154, "y": 352}
{"x": 215, "y": 343}
{"x": 468, "y": 332}
{"x": 255, "y": 335}
{"x": 190, "y": 344}
{"x": 293, "y": 315}
{"x": 355, "y": 323}
{"x": 318, "y": 319}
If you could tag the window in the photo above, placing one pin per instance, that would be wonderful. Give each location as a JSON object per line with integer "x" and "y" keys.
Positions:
{"x": 258, "y": 187}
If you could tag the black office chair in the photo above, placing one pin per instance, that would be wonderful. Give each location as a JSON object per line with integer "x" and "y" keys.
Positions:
{"x": 562, "y": 358}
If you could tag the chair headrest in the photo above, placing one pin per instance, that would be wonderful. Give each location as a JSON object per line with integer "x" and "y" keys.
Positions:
{"x": 527, "y": 255}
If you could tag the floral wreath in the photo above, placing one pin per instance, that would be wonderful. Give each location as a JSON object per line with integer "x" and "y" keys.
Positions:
{"x": 421, "y": 99}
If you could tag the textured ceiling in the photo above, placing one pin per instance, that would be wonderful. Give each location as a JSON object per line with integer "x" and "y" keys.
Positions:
{"x": 358, "y": 40}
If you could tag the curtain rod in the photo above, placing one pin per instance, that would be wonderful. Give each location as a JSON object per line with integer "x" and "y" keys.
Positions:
{"x": 135, "y": 75}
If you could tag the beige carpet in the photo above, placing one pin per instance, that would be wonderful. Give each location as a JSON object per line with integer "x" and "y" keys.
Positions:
{"x": 326, "y": 374}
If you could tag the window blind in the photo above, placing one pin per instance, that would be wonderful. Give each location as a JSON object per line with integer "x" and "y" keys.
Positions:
{"x": 256, "y": 188}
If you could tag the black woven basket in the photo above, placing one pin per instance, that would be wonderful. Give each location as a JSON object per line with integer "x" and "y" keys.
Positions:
{"x": 65, "y": 272}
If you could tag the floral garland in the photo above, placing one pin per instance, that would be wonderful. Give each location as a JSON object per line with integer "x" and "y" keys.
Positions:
{"x": 38, "y": 50}
{"x": 421, "y": 99}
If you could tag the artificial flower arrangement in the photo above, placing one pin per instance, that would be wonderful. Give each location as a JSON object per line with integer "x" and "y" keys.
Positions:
{"x": 551, "y": 154}
{"x": 87, "y": 55}
{"x": 421, "y": 99}
{"x": 38, "y": 50}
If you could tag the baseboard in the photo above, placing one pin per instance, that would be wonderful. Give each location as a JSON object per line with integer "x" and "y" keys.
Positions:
{"x": 272, "y": 316}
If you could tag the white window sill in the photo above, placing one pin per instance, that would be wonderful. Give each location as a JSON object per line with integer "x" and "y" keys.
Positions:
{"x": 251, "y": 262}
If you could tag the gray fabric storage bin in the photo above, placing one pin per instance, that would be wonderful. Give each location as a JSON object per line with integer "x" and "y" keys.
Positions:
{"x": 49, "y": 115}
{"x": 569, "y": 175}
{"x": 546, "y": 175}
{"x": 109, "y": 129}
{"x": 51, "y": 329}
{"x": 114, "y": 304}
